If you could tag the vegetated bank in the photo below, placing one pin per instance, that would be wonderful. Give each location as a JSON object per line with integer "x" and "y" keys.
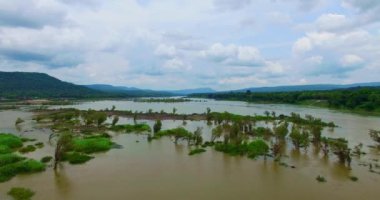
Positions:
{"x": 361, "y": 99}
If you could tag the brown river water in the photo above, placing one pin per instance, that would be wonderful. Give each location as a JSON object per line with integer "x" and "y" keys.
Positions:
{"x": 163, "y": 170}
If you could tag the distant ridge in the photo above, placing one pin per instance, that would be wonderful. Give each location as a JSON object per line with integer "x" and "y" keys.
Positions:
{"x": 316, "y": 87}
{"x": 40, "y": 85}
{"x": 129, "y": 91}
{"x": 141, "y": 92}
{"x": 192, "y": 91}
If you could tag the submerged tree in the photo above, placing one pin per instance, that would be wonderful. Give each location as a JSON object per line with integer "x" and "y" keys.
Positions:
{"x": 19, "y": 121}
{"x": 375, "y": 135}
{"x": 157, "y": 126}
{"x": 340, "y": 148}
{"x": 115, "y": 120}
{"x": 64, "y": 143}
{"x": 197, "y": 136}
{"x": 299, "y": 139}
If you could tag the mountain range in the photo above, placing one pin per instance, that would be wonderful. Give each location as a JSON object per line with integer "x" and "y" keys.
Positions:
{"x": 39, "y": 85}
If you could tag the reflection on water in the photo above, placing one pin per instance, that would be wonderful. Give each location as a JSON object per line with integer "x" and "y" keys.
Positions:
{"x": 162, "y": 170}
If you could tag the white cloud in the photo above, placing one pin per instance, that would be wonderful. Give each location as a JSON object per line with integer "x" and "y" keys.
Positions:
{"x": 233, "y": 55}
{"x": 350, "y": 60}
{"x": 176, "y": 64}
{"x": 165, "y": 50}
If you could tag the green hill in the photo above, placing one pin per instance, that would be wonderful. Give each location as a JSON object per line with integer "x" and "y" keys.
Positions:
{"x": 23, "y": 85}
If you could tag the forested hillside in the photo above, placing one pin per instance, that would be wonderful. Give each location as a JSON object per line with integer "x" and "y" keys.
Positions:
{"x": 39, "y": 85}
{"x": 359, "y": 98}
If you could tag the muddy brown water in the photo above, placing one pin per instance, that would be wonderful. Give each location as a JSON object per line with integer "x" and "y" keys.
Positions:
{"x": 162, "y": 170}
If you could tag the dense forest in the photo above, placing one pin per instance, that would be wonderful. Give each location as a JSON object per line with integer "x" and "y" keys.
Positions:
{"x": 38, "y": 85}
{"x": 24, "y": 85}
{"x": 359, "y": 98}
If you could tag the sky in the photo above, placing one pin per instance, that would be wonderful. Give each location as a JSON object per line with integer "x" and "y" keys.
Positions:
{"x": 177, "y": 44}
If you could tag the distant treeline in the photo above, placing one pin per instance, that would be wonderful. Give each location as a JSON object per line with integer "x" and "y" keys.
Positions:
{"x": 367, "y": 99}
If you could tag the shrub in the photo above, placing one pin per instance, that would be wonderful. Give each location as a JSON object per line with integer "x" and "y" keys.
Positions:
{"x": 25, "y": 166}
{"x": 46, "y": 159}
{"x": 10, "y": 140}
{"x": 19, "y": 193}
{"x": 27, "y": 149}
{"x": 6, "y": 159}
{"x": 320, "y": 179}
{"x": 196, "y": 151}
{"x": 5, "y": 149}
{"x": 77, "y": 158}
{"x": 91, "y": 145}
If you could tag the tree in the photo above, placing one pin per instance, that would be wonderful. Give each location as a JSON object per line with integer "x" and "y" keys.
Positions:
{"x": 115, "y": 120}
{"x": 197, "y": 136}
{"x": 216, "y": 133}
{"x": 101, "y": 118}
{"x": 19, "y": 121}
{"x": 375, "y": 135}
{"x": 157, "y": 126}
{"x": 64, "y": 143}
{"x": 174, "y": 111}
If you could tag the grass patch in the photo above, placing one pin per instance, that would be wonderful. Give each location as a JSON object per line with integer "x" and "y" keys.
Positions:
{"x": 27, "y": 149}
{"x": 196, "y": 151}
{"x": 252, "y": 150}
{"x": 129, "y": 128}
{"x": 178, "y": 132}
{"x": 10, "y": 140}
{"x": 46, "y": 159}
{"x": 7, "y": 159}
{"x": 354, "y": 178}
{"x": 25, "y": 166}
{"x": 321, "y": 179}
{"x": 91, "y": 145}
{"x": 5, "y": 149}
{"x": 39, "y": 145}
{"x": 77, "y": 158}
{"x": 19, "y": 193}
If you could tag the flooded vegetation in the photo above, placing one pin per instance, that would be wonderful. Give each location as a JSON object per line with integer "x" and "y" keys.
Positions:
{"x": 221, "y": 149}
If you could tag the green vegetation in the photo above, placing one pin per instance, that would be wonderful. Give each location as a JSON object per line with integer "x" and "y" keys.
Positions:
{"x": 10, "y": 140}
{"x": 19, "y": 193}
{"x": 375, "y": 135}
{"x": 91, "y": 145}
{"x": 252, "y": 149}
{"x": 162, "y": 100}
{"x": 157, "y": 126}
{"x": 129, "y": 128}
{"x": 5, "y": 149}
{"x": 321, "y": 179}
{"x": 77, "y": 158}
{"x": 13, "y": 165}
{"x": 46, "y": 159}
{"x": 358, "y": 99}
{"x": 19, "y": 121}
{"x": 16, "y": 85}
{"x": 354, "y": 178}
{"x": 196, "y": 151}
{"x": 27, "y": 149}
{"x": 177, "y": 133}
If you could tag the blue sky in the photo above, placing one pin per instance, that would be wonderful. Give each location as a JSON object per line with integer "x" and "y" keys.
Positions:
{"x": 173, "y": 44}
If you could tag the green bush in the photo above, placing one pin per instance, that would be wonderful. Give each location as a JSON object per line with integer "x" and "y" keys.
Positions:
{"x": 19, "y": 193}
{"x": 91, "y": 145}
{"x": 25, "y": 166}
{"x": 27, "y": 149}
{"x": 77, "y": 158}
{"x": 10, "y": 140}
{"x": 7, "y": 159}
{"x": 46, "y": 159}
{"x": 5, "y": 149}
{"x": 196, "y": 151}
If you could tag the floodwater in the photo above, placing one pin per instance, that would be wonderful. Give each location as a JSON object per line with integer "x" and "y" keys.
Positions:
{"x": 163, "y": 170}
